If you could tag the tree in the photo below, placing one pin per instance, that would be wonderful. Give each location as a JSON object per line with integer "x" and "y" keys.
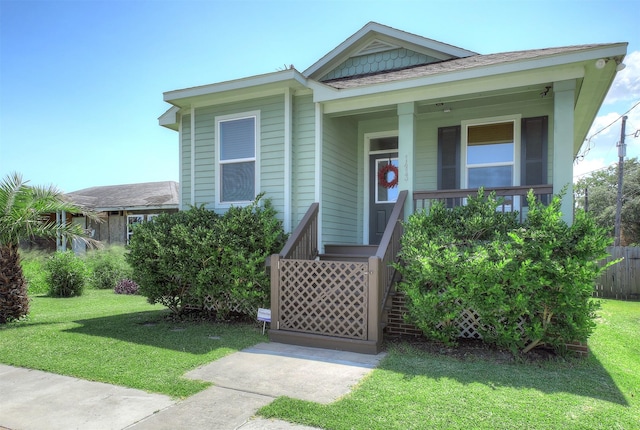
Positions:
{"x": 24, "y": 213}
{"x": 597, "y": 193}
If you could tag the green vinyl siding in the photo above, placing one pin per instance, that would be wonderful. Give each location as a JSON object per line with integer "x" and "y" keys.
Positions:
{"x": 205, "y": 155}
{"x": 185, "y": 161}
{"x": 272, "y": 150}
{"x": 270, "y": 153}
{"x": 303, "y": 156}
{"x": 340, "y": 198}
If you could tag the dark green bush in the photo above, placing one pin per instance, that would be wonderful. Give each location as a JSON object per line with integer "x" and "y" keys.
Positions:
{"x": 530, "y": 284}
{"x": 108, "y": 266}
{"x": 66, "y": 274}
{"x": 183, "y": 259}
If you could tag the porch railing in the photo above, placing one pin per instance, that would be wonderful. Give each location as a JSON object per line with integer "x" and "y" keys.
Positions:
{"x": 389, "y": 248}
{"x": 513, "y": 198}
{"x": 303, "y": 242}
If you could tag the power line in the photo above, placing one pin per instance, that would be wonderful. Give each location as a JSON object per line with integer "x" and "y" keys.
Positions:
{"x": 584, "y": 153}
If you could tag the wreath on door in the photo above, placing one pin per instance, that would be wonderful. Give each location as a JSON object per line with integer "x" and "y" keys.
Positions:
{"x": 383, "y": 176}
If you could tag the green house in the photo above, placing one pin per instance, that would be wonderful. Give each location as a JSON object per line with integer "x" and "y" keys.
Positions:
{"x": 385, "y": 123}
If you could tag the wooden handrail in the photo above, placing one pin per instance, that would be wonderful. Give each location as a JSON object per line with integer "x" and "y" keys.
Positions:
{"x": 389, "y": 248}
{"x": 304, "y": 235}
{"x": 396, "y": 214}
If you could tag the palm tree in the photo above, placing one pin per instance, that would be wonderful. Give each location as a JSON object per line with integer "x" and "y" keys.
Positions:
{"x": 24, "y": 213}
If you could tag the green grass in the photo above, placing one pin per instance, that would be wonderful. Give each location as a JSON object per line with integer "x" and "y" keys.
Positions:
{"x": 416, "y": 390}
{"x": 119, "y": 339}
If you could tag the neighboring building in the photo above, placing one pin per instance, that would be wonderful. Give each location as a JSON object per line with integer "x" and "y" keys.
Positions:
{"x": 120, "y": 207}
{"x": 388, "y": 111}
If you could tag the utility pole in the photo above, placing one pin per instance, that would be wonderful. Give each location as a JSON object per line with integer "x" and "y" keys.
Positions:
{"x": 621, "y": 153}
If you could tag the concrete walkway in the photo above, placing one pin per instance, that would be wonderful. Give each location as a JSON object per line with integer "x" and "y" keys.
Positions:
{"x": 243, "y": 382}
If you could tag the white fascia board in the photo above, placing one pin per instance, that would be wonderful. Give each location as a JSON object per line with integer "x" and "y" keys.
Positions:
{"x": 374, "y": 27}
{"x": 169, "y": 119}
{"x": 557, "y": 67}
{"x": 175, "y": 96}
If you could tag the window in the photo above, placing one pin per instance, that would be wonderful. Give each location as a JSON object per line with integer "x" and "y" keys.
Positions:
{"x": 236, "y": 153}
{"x": 530, "y": 142}
{"x": 490, "y": 154}
{"x": 132, "y": 221}
{"x": 387, "y": 194}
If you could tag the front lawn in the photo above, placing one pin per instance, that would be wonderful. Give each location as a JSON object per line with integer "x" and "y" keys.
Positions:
{"x": 417, "y": 390}
{"x": 119, "y": 339}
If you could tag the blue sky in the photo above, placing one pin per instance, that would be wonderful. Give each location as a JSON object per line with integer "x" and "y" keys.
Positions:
{"x": 81, "y": 82}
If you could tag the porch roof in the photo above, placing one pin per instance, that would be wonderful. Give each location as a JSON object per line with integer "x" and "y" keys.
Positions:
{"x": 456, "y": 65}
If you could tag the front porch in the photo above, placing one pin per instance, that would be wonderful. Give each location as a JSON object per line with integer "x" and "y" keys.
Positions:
{"x": 342, "y": 298}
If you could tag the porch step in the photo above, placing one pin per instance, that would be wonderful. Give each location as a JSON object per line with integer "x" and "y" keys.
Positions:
{"x": 357, "y": 253}
{"x": 326, "y": 342}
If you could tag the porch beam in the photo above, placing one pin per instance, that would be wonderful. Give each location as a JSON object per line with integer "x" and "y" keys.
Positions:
{"x": 406, "y": 148}
{"x": 563, "y": 136}
{"x": 436, "y": 88}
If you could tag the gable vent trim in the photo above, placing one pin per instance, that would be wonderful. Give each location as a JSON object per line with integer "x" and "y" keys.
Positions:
{"x": 376, "y": 46}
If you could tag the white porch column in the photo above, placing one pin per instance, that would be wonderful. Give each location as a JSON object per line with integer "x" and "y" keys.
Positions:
{"x": 406, "y": 144}
{"x": 319, "y": 124}
{"x": 288, "y": 132}
{"x": 563, "y": 123}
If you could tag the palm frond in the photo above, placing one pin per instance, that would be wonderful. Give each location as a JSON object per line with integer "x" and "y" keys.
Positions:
{"x": 26, "y": 211}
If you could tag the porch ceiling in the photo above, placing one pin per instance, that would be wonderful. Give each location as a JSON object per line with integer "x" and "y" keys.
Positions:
{"x": 456, "y": 103}
{"x": 488, "y": 98}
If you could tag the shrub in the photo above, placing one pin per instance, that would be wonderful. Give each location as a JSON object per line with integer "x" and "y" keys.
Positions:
{"x": 108, "y": 266}
{"x": 183, "y": 259}
{"x": 540, "y": 273}
{"x": 33, "y": 263}
{"x": 66, "y": 274}
{"x": 126, "y": 286}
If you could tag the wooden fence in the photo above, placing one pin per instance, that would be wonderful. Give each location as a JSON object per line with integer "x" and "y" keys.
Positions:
{"x": 622, "y": 280}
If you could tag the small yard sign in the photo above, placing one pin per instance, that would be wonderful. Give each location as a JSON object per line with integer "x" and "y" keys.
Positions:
{"x": 264, "y": 315}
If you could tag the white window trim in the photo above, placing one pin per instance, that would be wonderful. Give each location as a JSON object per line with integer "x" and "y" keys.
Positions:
{"x": 141, "y": 219}
{"x": 256, "y": 159}
{"x": 368, "y": 137}
{"x": 516, "y": 119}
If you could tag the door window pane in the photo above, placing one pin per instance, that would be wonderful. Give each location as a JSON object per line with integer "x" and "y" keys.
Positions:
{"x": 384, "y": 194}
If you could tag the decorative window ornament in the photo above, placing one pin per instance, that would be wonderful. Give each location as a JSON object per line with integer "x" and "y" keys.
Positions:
{"x": 383, "y": 176}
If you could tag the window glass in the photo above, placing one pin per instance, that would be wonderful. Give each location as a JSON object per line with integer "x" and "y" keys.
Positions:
{"x": 237, "y": 139}
{"x": 385, "y": 194}
{"x": 238, "y": 182}
{"x": 237, "y": 167}
{"x": 490, "y": 157}
{"x": 494, "y": 153}
{"x": 490, "y": 177}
